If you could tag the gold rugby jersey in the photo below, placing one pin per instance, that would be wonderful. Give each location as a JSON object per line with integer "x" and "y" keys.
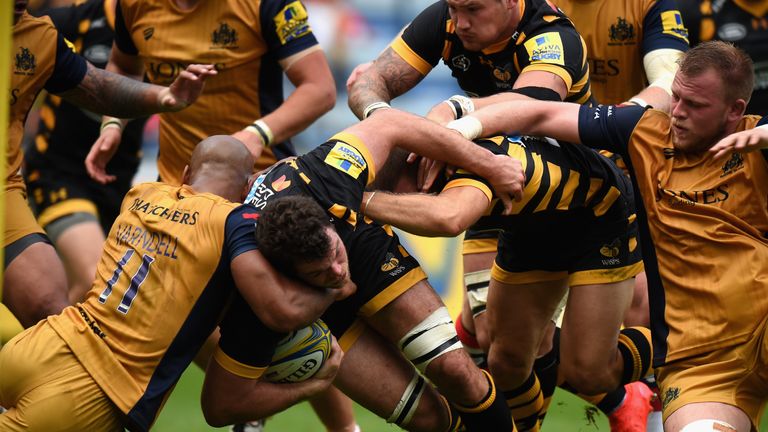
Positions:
{"x": 545, "y": 40}
{"x": 161, "y": 287}
{"x": 703, "y": 226}
{"x": 618, "y": 33}
{"x": 40, "y": 58}
{"x": 243, "y": 39}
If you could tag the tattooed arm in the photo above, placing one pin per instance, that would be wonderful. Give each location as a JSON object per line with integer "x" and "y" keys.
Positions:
{"x": 112, "y": 94}
{"x": 386, "y": 78}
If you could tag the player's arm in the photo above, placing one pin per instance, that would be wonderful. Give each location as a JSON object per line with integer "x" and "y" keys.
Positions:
{"x": 744, "y": 141}
{"x": 314, "y": 95}
{"x": 388, "y": 128}
{"x": 282, "y": 303}
{"x": 447, "y": 214}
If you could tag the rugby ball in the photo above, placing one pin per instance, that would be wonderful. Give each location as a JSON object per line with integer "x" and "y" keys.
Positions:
{"x": 300, "y": 354}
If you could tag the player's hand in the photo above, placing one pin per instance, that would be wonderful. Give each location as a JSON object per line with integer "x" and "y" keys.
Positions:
{"x": 356, "y": 72}
{"x": 101, "y": 153}
{"x": 441, "y": 114}
{"x": 507, "y": 177}
{"x": 252, "y": 142}
{"x": 186, "y": 88}
{"x": 429, "y": 171}
{"x": 744, "y": 141}
{"x": 331, "y": 365}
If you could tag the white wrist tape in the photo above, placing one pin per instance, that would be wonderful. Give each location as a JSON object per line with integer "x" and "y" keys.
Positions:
{"x": 460, "y": 105}
{"x": 469, "y": 127}
{"x": 373, "y": 107}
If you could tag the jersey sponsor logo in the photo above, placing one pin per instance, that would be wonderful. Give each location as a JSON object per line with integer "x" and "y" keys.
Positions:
{"x": 732, "y": 32}
{"x": 25, "y": 62}
{"x": 621, "y": 33}
{"x": 292, "y": 22}
{"x": 546, "y": 48}
{"x": 281, "y": 184}
{"x": 735, "y": 163}
{"x": 672, "y": 24}
{"x": 148, "y": 32}
{"x": 224, "y": 37}
{"x": 347, "y": 159}
{"x": 15, "y": 95}
{"x": 181, "y": 216}
{"x": 679, "y": 198}
{"x": 461, "y": 62}
{"x": 502, "y": 74}
{"x": 166, "y": 72}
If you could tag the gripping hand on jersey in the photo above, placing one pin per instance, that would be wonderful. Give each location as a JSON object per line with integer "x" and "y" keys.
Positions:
{"x": 507, "y": 178}
{"x": 744, "y": 141}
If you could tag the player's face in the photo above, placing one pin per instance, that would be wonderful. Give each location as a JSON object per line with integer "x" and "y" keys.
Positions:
{"x": 481, "y": 23}
{"x": 329, "y": 272}
{"x": 19, "y": 6}
{"x": 699, "y": 111}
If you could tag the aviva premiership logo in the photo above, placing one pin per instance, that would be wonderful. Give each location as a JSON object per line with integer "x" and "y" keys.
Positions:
{"x": 224, "y": 37}
{"x": 621, "y": 33}
{"x": 545, "y": 48}
{"x": 292, "y": 22}
{"x": 25, "y": 62}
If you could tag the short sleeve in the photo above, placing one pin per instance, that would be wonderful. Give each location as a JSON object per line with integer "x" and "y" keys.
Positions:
{"x": 422, "y": 41}
{"x": 240, "y": 231}
{"x": 69, "y": 69}
{"x": 557, "y": 49}
{"x": 285, "y": 27}
{"x": 122, "y": 35}
{"x": 663, "y": 28}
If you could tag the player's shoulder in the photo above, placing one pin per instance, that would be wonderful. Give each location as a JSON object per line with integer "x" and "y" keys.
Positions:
{"x": 29, "y": 23}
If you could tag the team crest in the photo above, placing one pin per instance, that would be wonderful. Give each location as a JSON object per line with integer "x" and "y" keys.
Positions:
{"x": 611, "y": 250}
{"x": 292, "y": 22}
{"x": 461, "y": 62}
{"x": 25, "y": 62}
{"x": 671, "y": 394}
{"x": 390, "y": 263}
{"x": 621, "y": 32}
{"x": 735, "y": 163}
{"x": 224, "y": 37}
{"x": 502, "y": 74}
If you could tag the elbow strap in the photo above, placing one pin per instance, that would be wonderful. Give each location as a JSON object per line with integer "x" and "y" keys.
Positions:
{"x": 540, "y": 93}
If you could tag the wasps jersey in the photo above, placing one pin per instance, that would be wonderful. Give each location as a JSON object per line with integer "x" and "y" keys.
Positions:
{"x": 559, "y": 177}
{"x": 335, "y": 174}
{"x": 161, "y": 287}
{"x": 618, "y": 33}
{"x": 742, "y": 23}
{"x": 40, "y": 58}
{"x": 66, "y": 132}
{"x": 244, "y": 40}
{"x": 703, "y": 226}
{"x": 545, "y": 40}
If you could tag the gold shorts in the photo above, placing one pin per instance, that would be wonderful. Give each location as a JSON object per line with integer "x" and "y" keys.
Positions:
{"x": 19, "y": 220}
{"x": 45, "y": 387}
{"x": 734, "y": 375}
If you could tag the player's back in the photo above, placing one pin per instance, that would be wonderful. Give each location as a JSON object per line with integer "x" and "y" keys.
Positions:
{"x": 161, "y": 286}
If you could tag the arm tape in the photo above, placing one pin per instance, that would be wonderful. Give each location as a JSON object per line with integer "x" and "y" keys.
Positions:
{"x": 540, "y": 93}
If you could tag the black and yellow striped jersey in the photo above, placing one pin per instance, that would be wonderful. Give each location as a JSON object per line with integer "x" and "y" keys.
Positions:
{"x": 545, "y": 40}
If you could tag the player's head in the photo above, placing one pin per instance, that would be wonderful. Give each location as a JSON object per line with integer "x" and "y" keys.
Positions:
{"x": 220, "y": 164}
{"x": 296, "y": 235}
{"x": 709, "y": 94}
{"x": 481, "y": 23}
{"x": 19, "y": 6}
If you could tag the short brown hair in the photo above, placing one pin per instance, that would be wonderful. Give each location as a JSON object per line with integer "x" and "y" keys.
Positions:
{"x": 732, "y": 64}
{"x": 293, "y": 229}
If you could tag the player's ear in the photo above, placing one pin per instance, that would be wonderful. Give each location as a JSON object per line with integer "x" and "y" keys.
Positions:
{"x": 737, "y": 110}
{"x": 185, "y": 175}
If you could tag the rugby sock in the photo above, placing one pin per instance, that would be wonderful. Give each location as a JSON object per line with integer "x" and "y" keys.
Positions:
{"x": 489, "y": 415}
{"x": 636, "y": 351}
{"x": 455, "y": 423}
{"x": 546, "y": 368}
{"x": 471, "y": 346}
{"x": 525, "y": 403}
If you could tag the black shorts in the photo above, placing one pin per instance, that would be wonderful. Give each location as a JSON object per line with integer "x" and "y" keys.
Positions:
{"x": 54, "y": 194}
{"x": 381, "y": 268}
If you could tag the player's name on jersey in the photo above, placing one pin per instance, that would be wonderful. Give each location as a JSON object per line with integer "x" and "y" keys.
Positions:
{"x": 150, "y": 241}
{"x": 174, "y": 215}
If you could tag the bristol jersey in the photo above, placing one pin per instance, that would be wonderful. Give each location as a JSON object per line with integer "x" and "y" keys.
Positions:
{"x": 66, "y": 132}
{"x": 244, "y": 40}
{"x": 545, "y": 40}
{"x": 703, "y": 225}
{"x": 618, "y": 33}
{"x": 740, "y": 22}
{"x": 40, "y": 58}
{"x": 161, "y": 287}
